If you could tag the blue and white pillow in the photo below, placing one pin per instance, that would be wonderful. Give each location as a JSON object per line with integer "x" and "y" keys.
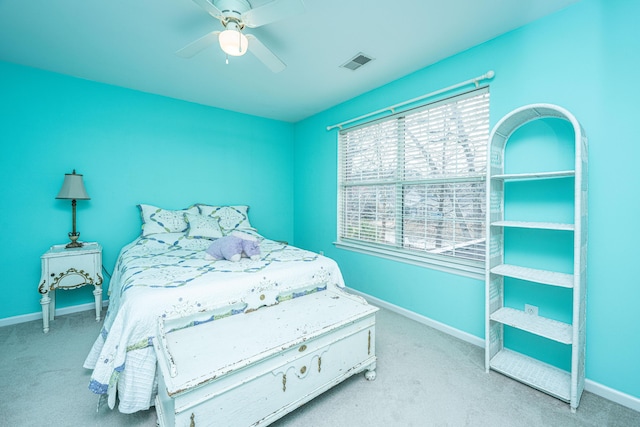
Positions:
{"x": 157, "y": 220}
{"x": 229, "y": 217}
{"x": 202, "y": 226}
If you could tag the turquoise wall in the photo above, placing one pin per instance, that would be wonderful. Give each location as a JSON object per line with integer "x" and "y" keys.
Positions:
{"x": 131, "y": 148}
{"x": 583, "y": 58}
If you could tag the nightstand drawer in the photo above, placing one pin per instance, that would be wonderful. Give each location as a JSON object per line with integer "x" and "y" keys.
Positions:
{"x": 70, "y": 272}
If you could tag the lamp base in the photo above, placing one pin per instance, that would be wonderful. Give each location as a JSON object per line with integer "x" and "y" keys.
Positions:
{"x": 74, "y": 241}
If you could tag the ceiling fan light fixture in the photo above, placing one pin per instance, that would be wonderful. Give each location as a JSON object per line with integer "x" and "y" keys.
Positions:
{"x": 233, "y": 42}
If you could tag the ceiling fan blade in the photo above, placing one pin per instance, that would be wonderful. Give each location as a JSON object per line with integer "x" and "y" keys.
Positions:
{"x": 209, "y": 7}
{"x": 271, "y": 12}
{"x": 195, "y": 47}
{"x": 263, "y": 53}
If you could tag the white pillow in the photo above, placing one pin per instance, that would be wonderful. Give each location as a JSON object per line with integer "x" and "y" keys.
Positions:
{"x": 248, "y": 234}
{"x": 202, "y": 226}
{"x": 229, "y": 217}
{"x": 157, "y": 220}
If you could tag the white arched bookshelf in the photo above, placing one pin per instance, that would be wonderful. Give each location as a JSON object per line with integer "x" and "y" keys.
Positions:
{"x": 501, "y": 272}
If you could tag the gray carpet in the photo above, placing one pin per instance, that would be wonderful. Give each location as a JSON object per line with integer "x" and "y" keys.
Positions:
{"x": 425, "y": 378}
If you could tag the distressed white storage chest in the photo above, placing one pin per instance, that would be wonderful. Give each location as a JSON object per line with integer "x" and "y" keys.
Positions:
{"x": 253, "y": 368}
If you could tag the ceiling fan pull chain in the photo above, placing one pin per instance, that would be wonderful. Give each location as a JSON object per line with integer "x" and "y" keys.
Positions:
{"x": 226, "y": 55}
{"x": 239, "y": 42}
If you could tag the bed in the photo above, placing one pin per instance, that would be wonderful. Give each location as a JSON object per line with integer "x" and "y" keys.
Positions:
{"x": 165, "y": 272}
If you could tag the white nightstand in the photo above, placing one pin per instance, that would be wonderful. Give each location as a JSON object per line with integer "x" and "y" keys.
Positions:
{"x": 69, "y": 269}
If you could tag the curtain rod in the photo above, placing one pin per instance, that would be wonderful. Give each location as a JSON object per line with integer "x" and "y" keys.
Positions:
{"x": 476, "y": 81}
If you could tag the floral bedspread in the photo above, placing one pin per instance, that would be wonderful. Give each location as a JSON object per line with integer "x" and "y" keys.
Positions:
{"x": 170, "y": 275}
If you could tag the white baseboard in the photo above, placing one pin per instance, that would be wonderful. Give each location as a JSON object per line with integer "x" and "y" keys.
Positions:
{"x": 464, "y": 336}
{"x": 613, "y": 395}
{"x": 603, "y": 391}
{"x": 59, "y": 312}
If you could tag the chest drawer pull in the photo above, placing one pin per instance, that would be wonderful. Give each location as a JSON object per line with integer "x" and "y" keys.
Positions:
{"x": 303, "y": 370}
{"x": 302, "y": 348}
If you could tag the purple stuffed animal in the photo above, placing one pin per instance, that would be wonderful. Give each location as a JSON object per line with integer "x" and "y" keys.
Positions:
{"x": 232, "y": 248}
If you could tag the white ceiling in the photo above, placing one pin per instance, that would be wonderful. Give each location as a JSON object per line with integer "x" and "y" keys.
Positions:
{"x": 131, "y": 43}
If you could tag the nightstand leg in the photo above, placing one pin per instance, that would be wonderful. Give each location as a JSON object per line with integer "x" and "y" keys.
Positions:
{"x": 97, "y": 293}
{"x": 44, "y": 302}
{"x": 52, "y": 304}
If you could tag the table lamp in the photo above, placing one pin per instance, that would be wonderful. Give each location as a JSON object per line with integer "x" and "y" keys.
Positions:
{"x": 73, "y": 189}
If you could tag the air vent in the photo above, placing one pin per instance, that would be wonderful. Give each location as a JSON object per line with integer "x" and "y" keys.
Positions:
{"x": 357, "y": 61}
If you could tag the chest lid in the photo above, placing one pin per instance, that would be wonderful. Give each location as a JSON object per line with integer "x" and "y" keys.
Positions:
{"x": 200, "y": 353}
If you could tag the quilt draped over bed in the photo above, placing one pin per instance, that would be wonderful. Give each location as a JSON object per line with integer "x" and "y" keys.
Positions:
{"x": 170, "y": 275}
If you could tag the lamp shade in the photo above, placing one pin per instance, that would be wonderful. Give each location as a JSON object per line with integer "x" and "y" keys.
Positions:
{"x": 73, "y": 188}
{"x": 233, "y": 42}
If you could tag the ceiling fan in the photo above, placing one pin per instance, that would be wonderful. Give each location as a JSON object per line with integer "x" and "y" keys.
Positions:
{"x": 235, "y": 15}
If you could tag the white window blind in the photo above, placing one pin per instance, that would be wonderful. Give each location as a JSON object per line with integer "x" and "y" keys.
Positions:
{"x": 413, "y": 183}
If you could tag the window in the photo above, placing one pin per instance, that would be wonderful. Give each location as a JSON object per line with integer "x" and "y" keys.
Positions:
{"x": 412, "y": 185}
